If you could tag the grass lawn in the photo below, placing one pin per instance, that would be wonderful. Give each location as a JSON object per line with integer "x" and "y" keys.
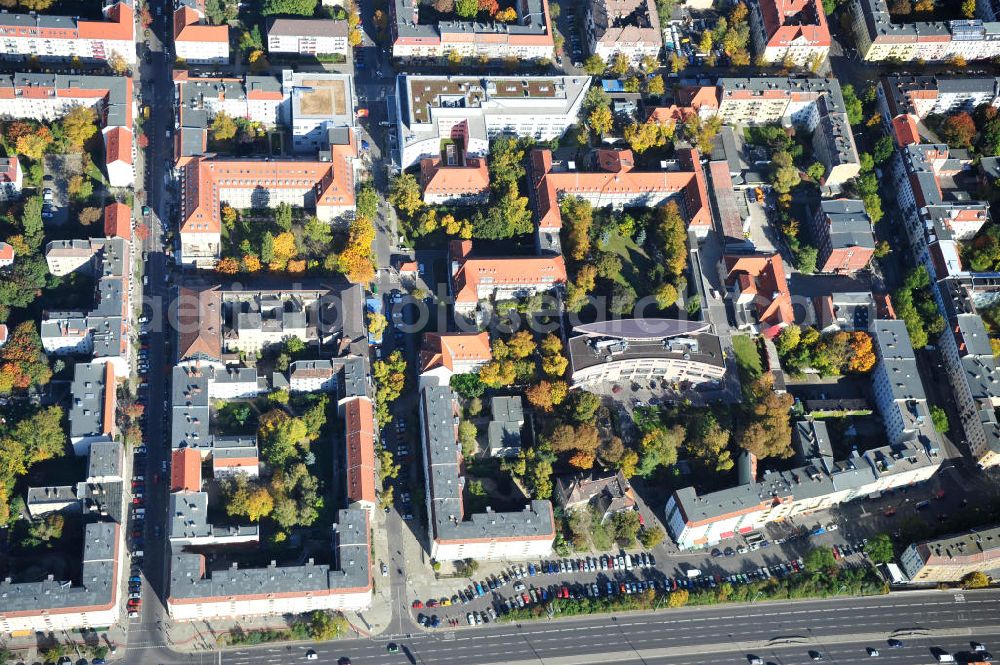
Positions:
{"x": 747, "y": 357}
{"x": 636, "y": 264}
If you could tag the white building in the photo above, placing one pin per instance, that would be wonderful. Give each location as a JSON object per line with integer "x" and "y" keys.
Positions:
{"x": 11, "y": 178}
{"x": 432, "y": 109}
{"x": 311, "y": 376}
{"x": 307, "y": 36}
{"x": 195, "y": 41}
{"x": 880, "y": 36}
{"x": 629, "y": 27}
{"x": 66, "y": 37}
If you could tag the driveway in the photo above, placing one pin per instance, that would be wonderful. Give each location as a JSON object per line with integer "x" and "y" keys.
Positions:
{"x": 58, "y": 170}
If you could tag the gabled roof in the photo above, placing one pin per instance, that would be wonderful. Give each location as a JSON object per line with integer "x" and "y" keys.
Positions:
{"x": 763, "y": 277}
{"x": 118, "y": 145}
{"x": 439, "y": 180}
{"x": 689, "y": 184}
{"x": 359, "y": 426}
{"x": 904, "y": 128}
{"x": 443, "y": 350}
{"x": 118, "y": 221}
{"x": 788, "y": 21}
{"x": 188, "y": 28}
{"x": 542, "y": 271}
{"x": 331, "y": 181}
{"x": 199, "y": 323}
{"x": 185, "y": 470}
{"x": 6, "y": 252}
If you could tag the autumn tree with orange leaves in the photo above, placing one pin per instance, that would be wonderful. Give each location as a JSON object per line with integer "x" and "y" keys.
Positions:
{"x": 22, "y": 362}
{"x": 862, "y": 357}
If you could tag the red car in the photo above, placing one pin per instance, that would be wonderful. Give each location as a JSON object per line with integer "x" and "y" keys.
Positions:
{"x": 418, "y": 605}
{"x": 432, "y": 603}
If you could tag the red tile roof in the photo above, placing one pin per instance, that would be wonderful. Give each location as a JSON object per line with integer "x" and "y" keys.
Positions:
{"x": 763, "y": 277}
{"x": 3, "y": 334}
{"x": 690, "y": 184}
{"x": 108, "y": 426}
{"x": 185, "y": 470}
{"x": 188, "y": 28}
{"x": 118, "y": 145}
{"x": 439, "y": 180}
{"x": 442, "y": 350}
{"x": 6, "y": 252}
{"x": 905, "y": 129}
{"x": 118, "y": 221}
{"x": 332, "y": 182}
{"x": 359, "y": 423}
{"x": 786, "y": 21}
{"x": 538, "y": 271}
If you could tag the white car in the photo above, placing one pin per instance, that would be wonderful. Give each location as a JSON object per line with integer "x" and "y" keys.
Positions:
{"x": 312, "y": 655}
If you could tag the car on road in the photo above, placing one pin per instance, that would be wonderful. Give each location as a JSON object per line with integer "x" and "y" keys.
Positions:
{"x": 872, "y": 652}
{"x": 392, "y": 648}
{"x": 312, "y": 655}
{"x": 815, "y": 656}
{"x": 754, "y": 660}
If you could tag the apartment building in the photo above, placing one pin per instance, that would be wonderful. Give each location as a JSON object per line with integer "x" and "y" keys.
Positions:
{"x": 195, "y": 40}
{"x": 452, "y": 532}
{"x": 925, "y": 95}
{"x": 105, "y": 331}
{"x": 310, "y": 104}
{"x": 628, "y": 27}
{"x": 625, "y": 351}
{"x": 93, "y": 406}
{"x": 358, "y": 413}
{"x": 618, "y": 184}
{"x": 843, "y": 232}
{"x": 849, "y": 310}
{"x": 899, "y": 392}
{"x": 950, "y": 558}
{"x": 879, "y": 36}
{"x": 90, "y": 598}
{"x": 811, "y": 104}
{"x": 307, "y": 36}
{"x": 503, "y": 433}
{"x": 51, "y": 96}
{"x": 935, "y": 187}
{"x": 11, "y": 178}
{"x": 325, "y": 186}
{"x": 445, "y": 354}
{"x": 474, "y": 279}
{"x": 757, "y": 285}
{"x": 457, "y": 181}
{"x": 432, "y": 110}
{"x": 46, "y": 37}
{"x": 968, "y": 359}
{"x": 817, "y": 483}
{"x": 528, "y": 37}
{"x": 312, "y": 376}
{"x": 793, "y": 31}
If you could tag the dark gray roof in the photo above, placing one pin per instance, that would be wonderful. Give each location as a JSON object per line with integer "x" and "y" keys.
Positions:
{"x": 87, "y": 407}
{"x": 117, "y": 110}
{"x": 531, "y": 21}
{"x": 352, "y": 550}
{"x": 448, "y": 521}
{"x": 584, "y": 350}
{"x": 848, "y": 223}
{"x": 97, "y": 585}
{"x": 105, "y": 460}
{"x": 895, "y": 352}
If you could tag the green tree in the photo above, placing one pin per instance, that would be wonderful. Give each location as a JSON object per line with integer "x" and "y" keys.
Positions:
{"x": 658, "y": 448}
{"x": 283, "y": 216}
{"x": 626, "y": 525}
{"x": 367, "y": 201}
{"x": 855, "y": 110}
{"x": 506, "y": 163}
{"x": 784, "y": 175}
{"x": 289, "y": 7}
{"x": 600, "y": 120}
{"x": 467, "y": 437}
{"x": 820, "y": 560}
{"x": 324, "y": 626}
{"x": 816, "y": 171}
{"x": 806, "y": 259}
{"x": 879, "y": 549}
{"x": 584, "y": 406}
{"x": 940, "y": 419}
{"x": 467, "y": 385}
{"x": 279, "y": 434}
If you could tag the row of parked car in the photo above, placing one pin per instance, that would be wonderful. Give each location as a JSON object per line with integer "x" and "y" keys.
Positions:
{"x": 520, "y": 572}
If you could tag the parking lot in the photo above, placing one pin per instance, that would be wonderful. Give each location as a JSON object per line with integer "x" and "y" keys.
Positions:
{"x": 607, "y": 575}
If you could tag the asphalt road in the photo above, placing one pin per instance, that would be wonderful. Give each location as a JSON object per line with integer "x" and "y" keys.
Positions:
{"x": 781, "y": 633}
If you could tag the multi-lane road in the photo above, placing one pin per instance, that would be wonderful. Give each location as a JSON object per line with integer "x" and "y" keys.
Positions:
{"x": 839, "y": 629}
